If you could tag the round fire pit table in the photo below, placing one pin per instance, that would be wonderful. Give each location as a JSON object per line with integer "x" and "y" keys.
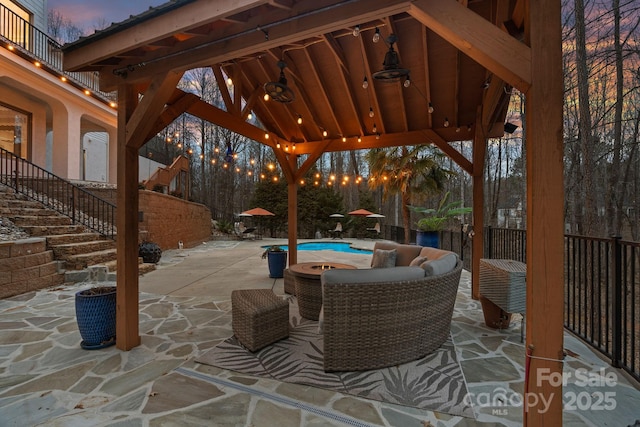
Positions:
{"x": 307, "y": 285}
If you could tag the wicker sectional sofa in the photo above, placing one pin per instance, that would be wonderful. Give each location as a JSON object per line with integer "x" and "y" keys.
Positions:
{"x": 380, "y": 317}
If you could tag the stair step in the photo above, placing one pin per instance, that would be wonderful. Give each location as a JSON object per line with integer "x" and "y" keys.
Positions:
{"x": 15, "y": 203}
{"x": 66, "y": 251}
{"x": 143, "y": 267}
{"x": 43, "y": 230}
{"x": 82, "y": 261}
{"x": 23, "y": 220}
{"x": 65, "y": 239}
{"x": 22, "y": 211}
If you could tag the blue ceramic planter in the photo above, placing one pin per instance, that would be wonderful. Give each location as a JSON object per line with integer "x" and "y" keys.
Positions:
{"x": 277, "y": 263}
{"x": 96, "y": 317}
{"x": 428, "y": 238}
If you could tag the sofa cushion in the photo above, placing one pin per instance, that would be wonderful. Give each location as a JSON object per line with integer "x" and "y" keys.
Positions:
{"x": 406, "y": 253}
{"x": 417, "y": 261}
{"x": 433, "y": 253}
{"x": 444, "y": 264}
{"x": 372, "y": 275}
{"x": 383, "y": 258}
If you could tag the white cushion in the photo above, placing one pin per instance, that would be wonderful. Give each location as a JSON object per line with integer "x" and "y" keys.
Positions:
{"x": 442, "y": 265}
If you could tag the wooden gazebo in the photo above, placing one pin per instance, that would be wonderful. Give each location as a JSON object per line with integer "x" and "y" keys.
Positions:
{"x": 461, "y": 59}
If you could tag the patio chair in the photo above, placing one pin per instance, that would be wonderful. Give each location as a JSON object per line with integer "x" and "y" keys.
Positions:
{"x": 374, "y": 232}
{"x": 243, "y": 232}
{"x": 336, "y": 233}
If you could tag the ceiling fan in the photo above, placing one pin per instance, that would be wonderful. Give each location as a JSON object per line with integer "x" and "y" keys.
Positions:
{"x": 279, "y": 91}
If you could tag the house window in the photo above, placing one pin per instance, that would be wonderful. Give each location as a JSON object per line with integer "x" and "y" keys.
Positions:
{"x": 14, "y": 22}
{"x": 14, "y": 130}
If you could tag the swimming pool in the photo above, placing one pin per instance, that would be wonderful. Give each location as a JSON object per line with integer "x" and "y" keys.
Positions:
{"x": 327, "y": 246}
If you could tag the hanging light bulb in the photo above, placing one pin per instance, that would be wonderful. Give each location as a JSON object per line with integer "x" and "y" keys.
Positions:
{"x": 430, "y": 108}
{"x": 365, "y": 83}
{"x": 375, "y": 128}
{"x": 249, "y": 116}
{"x": 371, "y": 114}
{"x": 324, "y": 133}
{"x": 446, "y": 122}
{"x": 277, "y": 145}
{"x": 407, "y": 82}
{"x": 299, "y": 119}
{"x": 359, "y": 139}
{"x": 356, "y": 31}
{"x": 376, "y": 35}
{"x": 344, "y": 139}
{"x": 293, "y": 147}
{"x": 266, "y": 136}
{"x": 266, "y": 97}
{"x": 229, "y": 81}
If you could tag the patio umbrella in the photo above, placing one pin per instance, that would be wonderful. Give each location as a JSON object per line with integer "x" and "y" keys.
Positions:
{"x": 258, "y": 212}
{"x": 336, "y": 215}
{"x": 244, "y": 214}
{"x": 360, "y": 212}
{"x": 375, "y": 216}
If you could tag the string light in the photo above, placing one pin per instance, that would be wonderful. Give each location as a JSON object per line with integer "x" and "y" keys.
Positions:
{"x": 407, "y": 82}
{"x": 266, "y": 97}
{"x": 356, "y": 31}
{"x": 229, "y": 81}
{"x": 371, "y": 113}
{"x": 266, "y": 136}
{"x": 375, "y": 128}
{"x": 376, "y": 36}
{"x": 430, "y": 108}
{"x": 324, "y": 133}
{"x": 344, "y": 139}
{"x": 446, "y": 122}
{"x": 299, "y": 119}
{"x": 365, "y": 83}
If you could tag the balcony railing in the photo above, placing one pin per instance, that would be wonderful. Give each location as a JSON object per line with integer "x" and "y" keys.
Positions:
{"x": 31, "y": 43}
{"x": 81, "y": 206}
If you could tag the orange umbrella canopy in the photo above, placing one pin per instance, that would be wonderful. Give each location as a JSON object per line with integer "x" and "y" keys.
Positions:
{"x": 258, "y": 212}
{"x": 360, "y": 212}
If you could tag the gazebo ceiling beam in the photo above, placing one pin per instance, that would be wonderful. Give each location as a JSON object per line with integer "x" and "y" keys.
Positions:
{"x": 248, "y": 40}
{"x": 477, "y": 38}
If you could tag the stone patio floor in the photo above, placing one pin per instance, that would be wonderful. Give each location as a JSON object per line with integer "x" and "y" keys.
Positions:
{"x": 46, "y": 379}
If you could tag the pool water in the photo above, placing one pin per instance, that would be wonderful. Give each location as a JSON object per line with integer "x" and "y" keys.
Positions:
{"x": 327, "y": 246}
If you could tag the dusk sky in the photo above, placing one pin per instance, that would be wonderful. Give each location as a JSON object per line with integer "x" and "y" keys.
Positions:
{"x": 87, "y": 13}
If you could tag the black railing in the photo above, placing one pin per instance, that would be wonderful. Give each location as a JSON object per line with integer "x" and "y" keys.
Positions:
{"x": 55, "y": 193}
{"x": 31, "y": 43}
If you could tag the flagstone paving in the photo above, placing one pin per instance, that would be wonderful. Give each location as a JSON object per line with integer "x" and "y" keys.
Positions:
{"x": 47, "y": 379}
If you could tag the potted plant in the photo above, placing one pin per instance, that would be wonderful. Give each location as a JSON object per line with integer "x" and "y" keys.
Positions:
{"x": 96, "y": 316}
{"x": 277, "y": 259}
{"x": 435, "y": 220}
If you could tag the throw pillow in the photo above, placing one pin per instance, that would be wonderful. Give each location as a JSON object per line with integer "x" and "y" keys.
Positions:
{"x": 441, "y": 265}
{"x": 384, "y": 258}
{"x": 417, "y": 261}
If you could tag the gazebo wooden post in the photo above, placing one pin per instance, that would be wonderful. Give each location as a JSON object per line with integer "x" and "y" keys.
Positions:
{"x": 292, "y": 200}
{"x": 127, "y": 333}
{"x": 477, "y": 243}
{"x": 545, "y": 213}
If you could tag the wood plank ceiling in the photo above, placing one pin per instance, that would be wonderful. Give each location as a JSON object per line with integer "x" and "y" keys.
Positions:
{"x": 326, "y": 66}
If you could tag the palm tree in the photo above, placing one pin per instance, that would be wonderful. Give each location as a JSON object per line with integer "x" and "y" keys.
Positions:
{"x": 406, "y": 170}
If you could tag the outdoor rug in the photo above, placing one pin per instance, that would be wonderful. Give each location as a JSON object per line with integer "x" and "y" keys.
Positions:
{"x": 433, "y": 383}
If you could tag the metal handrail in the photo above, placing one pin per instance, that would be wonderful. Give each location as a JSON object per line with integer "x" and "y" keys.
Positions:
{"x": 82, "y": 206}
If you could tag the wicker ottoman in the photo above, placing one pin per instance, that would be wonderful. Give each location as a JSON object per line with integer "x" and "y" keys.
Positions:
{"x": 259, "y": 317}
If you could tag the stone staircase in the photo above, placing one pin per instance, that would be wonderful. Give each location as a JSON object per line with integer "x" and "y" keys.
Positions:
{"x": 75, "y": 247}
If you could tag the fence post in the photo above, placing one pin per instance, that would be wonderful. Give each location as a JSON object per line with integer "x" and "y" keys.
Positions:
{"x": 489, "y": 241}
{"x": 616, "y": 327}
